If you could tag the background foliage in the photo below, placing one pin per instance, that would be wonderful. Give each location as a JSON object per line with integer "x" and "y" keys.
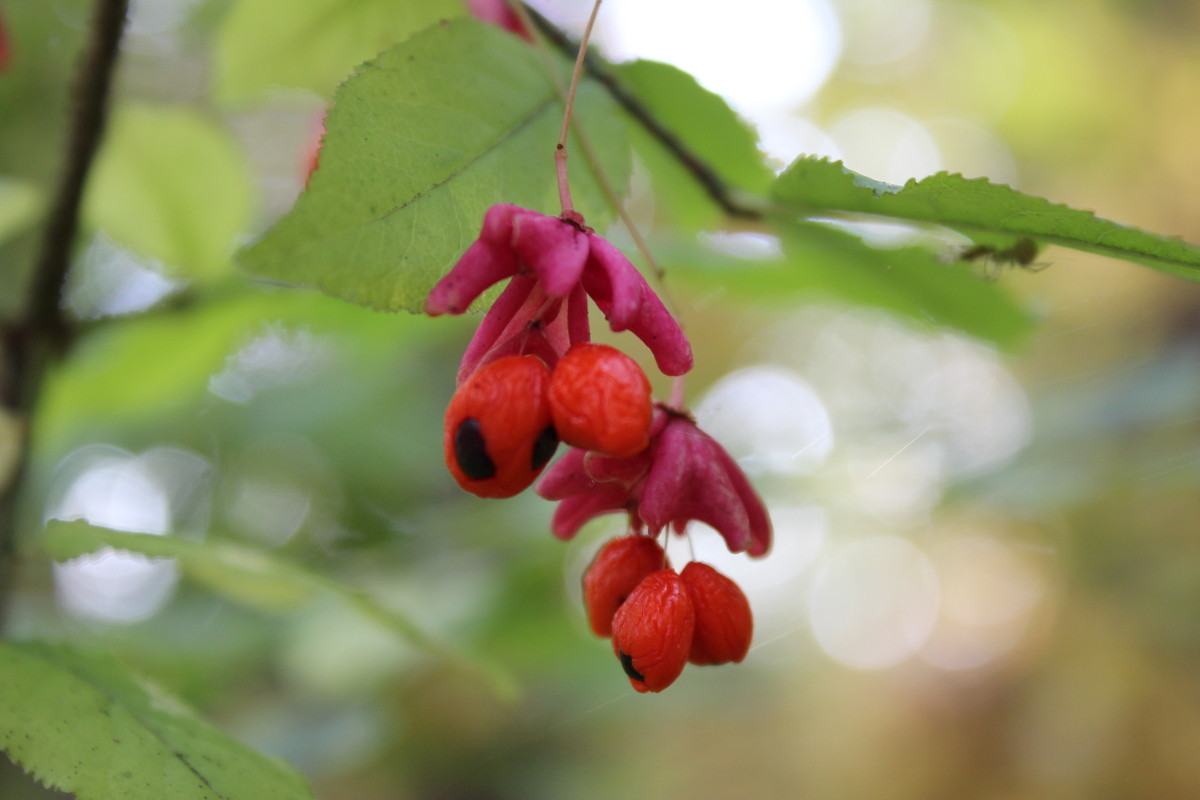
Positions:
{"x": 322, "y": 593}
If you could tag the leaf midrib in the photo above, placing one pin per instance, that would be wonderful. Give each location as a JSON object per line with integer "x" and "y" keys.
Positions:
{"x": 534, "y": 114}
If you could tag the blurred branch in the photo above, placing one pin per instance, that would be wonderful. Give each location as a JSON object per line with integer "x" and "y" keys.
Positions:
{"x": 42, "y": 333}
{"x": 705, "y": 175}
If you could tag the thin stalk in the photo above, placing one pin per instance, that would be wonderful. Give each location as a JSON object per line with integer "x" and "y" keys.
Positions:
{"x": 704, "y": 174}
{"x": 589, "y": 152}
{"x": 527, "y": 18}
{"x": 678, "y": 393}
{"x": 560, "y": 150}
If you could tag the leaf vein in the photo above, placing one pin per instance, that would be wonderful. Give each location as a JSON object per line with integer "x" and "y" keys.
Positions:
{"x": 487, "y": 150}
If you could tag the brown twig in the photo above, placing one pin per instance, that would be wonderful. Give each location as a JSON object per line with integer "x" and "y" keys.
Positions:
{"x": 713, "y": 185}
{"x": 42, "y": 333}
{"x": 86, "y": 128}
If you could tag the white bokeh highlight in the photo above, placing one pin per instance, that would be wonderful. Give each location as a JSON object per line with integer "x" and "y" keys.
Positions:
{"x": 769, "y": 419}
{"x": 885, "y": 144}
{"x": 110, "y": 488}
{"x": 874, "y": 602}
{"x": 989, "y": 595}
{"x": 278, "y": 356}
{"x": 108, "y": 280}
{"x": 766, "y": 55}
{"x": 880, "y": 32}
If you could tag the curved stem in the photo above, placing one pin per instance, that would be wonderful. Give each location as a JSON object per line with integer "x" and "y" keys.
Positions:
{"x": 560, "y": 150}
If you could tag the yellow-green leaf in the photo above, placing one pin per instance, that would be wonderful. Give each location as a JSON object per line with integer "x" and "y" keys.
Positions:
{"x": 419, "y": 143}
{"x": 170, "y": 185}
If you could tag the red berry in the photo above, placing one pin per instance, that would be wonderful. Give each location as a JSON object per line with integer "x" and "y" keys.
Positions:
{"x": 498, "y": 431}
{"x": 615, "y": 572}
{"x": 600, "y": 399}
{"x": 724, "y": 625}
{"x": 652, "y": 631}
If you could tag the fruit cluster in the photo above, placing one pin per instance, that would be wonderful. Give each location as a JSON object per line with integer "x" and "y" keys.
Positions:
{"x": 659, "y": 619}
{"x": 531, "y": 377}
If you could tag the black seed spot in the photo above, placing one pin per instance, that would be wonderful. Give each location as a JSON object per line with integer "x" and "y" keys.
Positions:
{"x": 627, "y": 665}
{"x": 544, "y": 447}
{"x": 471, "y": 452}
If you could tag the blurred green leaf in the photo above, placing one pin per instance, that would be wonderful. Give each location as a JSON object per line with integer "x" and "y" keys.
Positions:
{"x": 255, "y": 578}
{"x": 419, "y": 144}
{"x": 170, "y": 185}
{"x": 815, "y": 258}
{"x": 703, "y": 123}
{"x": 248, "y": 576}
{"x": 80, "y": 723}
{"x": 312, "y": 44}
{"x": 146, "y": 366}
{"x": 19, "y": 206}
{"x": 985, "y": 211}
{"x": 1130, "y": 428}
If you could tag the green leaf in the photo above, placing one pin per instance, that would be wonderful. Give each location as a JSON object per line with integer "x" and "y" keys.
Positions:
{"x": 80, "y": 723}
{"x": 255, "y": 578}
{"x": 986, "y": 212}
{"x": 419, "y": 144}
{"x": 312, "y": 44}
{"x": 151, "y": 366}
{"x": 249, "y": 576}
{"x": 144, "y": 366}
{"x": 815, "y": 259}
{"x": 703, "y": 123}
{"x": 170, "y": 185}
{"x": 19, "y": 206}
